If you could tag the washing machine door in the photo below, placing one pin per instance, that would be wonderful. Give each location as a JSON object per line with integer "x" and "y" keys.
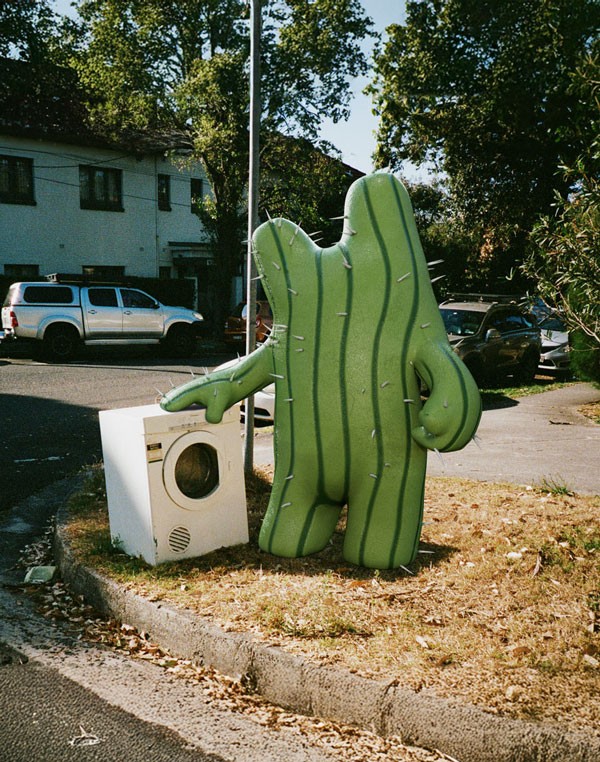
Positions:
{"x": 192, "y": 469}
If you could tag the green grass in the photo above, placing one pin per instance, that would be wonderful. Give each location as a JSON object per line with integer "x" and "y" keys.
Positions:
{"x": 554, "y": 486}
{"x": 491, "y": 396}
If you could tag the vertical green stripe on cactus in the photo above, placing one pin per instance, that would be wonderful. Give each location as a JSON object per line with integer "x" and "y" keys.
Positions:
{"x": 286, "y": 386}
{"x": 413, "y": 282}
{"x": 316, "y": 371}
{"x": 331, "y": 366}
{"x": 374, "y": 368}
{"x": 344, "y": 368}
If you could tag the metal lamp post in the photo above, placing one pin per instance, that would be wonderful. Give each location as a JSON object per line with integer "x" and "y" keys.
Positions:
{"x": 255, "y": 26}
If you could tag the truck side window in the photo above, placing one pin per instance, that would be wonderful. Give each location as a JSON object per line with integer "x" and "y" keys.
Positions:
{"x": 102, "y": 297}
{"x": 138, "y": 299}
{"x": 48, "y": 295}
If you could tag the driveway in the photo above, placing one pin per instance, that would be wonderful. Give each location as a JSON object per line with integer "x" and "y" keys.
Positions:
{"x": 527, "y": 441}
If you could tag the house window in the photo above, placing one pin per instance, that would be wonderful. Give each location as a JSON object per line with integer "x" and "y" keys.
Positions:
{"x": 164, "y": 193}
{"x": 100, "y": 188}
{"x": 16, "y": 180}
{"x": 164, "y": 272}
{"x": 103, "y": 272}
{"x": 22, "y": 272}
{"x": 196, "y": 195}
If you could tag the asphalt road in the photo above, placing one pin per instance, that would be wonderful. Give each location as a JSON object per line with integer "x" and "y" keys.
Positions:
{"x": 61, "y": 699}
{"x": 49, "y": 412}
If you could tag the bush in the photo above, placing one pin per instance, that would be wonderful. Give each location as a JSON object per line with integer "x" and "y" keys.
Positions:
{"x": 585, "y": 357}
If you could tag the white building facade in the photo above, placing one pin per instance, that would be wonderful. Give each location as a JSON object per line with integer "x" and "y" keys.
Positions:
{"x": 98, "y": 211}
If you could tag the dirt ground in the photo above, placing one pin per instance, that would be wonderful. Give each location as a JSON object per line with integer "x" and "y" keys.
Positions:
{"x": 501, "y": 608}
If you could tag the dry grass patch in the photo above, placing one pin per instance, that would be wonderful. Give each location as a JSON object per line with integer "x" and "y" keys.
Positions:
{"x": 502, "y": 608}
{"x": 591, "y": 411}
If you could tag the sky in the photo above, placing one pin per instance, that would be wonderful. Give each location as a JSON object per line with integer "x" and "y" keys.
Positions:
{"x": 355, "y": 138}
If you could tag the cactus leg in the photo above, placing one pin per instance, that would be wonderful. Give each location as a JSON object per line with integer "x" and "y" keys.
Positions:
{"x": 297, "y": 523}
{"x": 385, "y": 516}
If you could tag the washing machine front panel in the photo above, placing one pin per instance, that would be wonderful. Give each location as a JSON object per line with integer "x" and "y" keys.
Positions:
{"x": 175, "y": 483}
{"x": 192, "y": 469}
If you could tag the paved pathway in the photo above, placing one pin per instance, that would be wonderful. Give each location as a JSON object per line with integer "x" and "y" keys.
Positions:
{"x": 531, "y": 440}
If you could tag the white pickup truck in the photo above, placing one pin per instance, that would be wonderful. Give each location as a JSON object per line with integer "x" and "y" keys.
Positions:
{"x": 62, "y": 316}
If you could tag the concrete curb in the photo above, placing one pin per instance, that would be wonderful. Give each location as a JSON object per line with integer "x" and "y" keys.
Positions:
{"x": 421, "y": 719}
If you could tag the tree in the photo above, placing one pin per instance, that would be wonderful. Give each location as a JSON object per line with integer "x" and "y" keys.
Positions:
{"x": 483, "y": 91}
{"x": 305, "y": 184}
{"x": 38, "y": 90}
{"x": 179, "y": 68}
{"x": 565, "y": 258}
{"x": 25, "y": 26}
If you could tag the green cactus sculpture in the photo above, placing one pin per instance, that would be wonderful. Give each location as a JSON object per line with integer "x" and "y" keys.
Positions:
{"x": 355, "y": 326}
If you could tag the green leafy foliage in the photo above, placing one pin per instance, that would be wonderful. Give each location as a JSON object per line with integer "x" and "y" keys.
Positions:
{"x": 483, "y": 90}
{"x": 178, "y": 70}
{"x": 25, "y": 26}
{"x": 565, "y": 256}
{"x": 301, "y": 182}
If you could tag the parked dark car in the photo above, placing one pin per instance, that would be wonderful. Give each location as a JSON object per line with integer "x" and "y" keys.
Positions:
{"x": 235, "y": 326}
{"x": 494, "y": 336}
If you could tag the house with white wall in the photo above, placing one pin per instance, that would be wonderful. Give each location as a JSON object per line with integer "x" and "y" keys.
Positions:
{"x": 98, "y": 210}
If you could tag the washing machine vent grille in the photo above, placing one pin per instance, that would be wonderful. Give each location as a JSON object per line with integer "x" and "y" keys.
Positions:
{"x": 179, "y": 539}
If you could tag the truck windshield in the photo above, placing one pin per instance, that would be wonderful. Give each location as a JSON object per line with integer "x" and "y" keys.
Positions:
{"x": 461, "y": 322}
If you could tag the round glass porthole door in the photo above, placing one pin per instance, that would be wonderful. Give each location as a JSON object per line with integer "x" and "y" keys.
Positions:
{"x": 197, "y": 470}
{"x": 191, "y": 470}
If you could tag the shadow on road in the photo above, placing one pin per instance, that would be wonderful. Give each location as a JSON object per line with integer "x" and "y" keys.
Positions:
{"x": 43, "y": 441}
{"x": 496, "y": 400}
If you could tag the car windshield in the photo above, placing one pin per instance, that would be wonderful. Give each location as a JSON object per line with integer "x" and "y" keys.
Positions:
{"x": 461, "y": 322}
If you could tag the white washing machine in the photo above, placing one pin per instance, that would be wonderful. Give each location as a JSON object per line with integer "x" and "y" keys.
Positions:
{"x": 174, "y": 483}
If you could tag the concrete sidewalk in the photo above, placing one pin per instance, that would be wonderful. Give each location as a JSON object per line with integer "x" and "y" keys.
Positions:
{"x": 525, "y": 441}
{"x": 541, "y": 438}
{"x": 465, "y": 732}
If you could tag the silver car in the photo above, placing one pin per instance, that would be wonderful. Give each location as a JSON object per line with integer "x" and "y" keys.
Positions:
{"x": 555, "y": 357}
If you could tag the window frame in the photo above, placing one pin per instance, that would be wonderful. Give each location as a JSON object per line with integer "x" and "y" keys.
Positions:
{"x": 103, "y": 272}
{"x": 95, "y": 291}
{"x": 13, "y": 195}
{"x": 21, "y": 271}
{"x": 87, "y": 177}
{"x": 196, "y": 191}
{"x": 163, "y": 195}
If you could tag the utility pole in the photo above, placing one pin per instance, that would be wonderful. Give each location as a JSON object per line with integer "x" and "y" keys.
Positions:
{"x": 255, "y": 108}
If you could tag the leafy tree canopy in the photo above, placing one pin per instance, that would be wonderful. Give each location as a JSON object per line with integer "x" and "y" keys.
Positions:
{"x": 564, "y": 260}
{"x": 483, "y": 90}
{"x": 179, "y": 69}
{"x": 25, "y": 26}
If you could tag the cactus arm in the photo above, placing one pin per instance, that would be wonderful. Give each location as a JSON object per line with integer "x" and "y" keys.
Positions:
{"x": 450, "y": 416}
{"x": 221, "y": 389}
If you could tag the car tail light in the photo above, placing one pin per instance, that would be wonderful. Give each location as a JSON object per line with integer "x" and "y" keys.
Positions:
{"x": 14, "y": 323}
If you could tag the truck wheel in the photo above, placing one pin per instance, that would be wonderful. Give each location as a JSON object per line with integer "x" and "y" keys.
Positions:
{"x": 179, "y": 341}
{"x": 60, "y": 343}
